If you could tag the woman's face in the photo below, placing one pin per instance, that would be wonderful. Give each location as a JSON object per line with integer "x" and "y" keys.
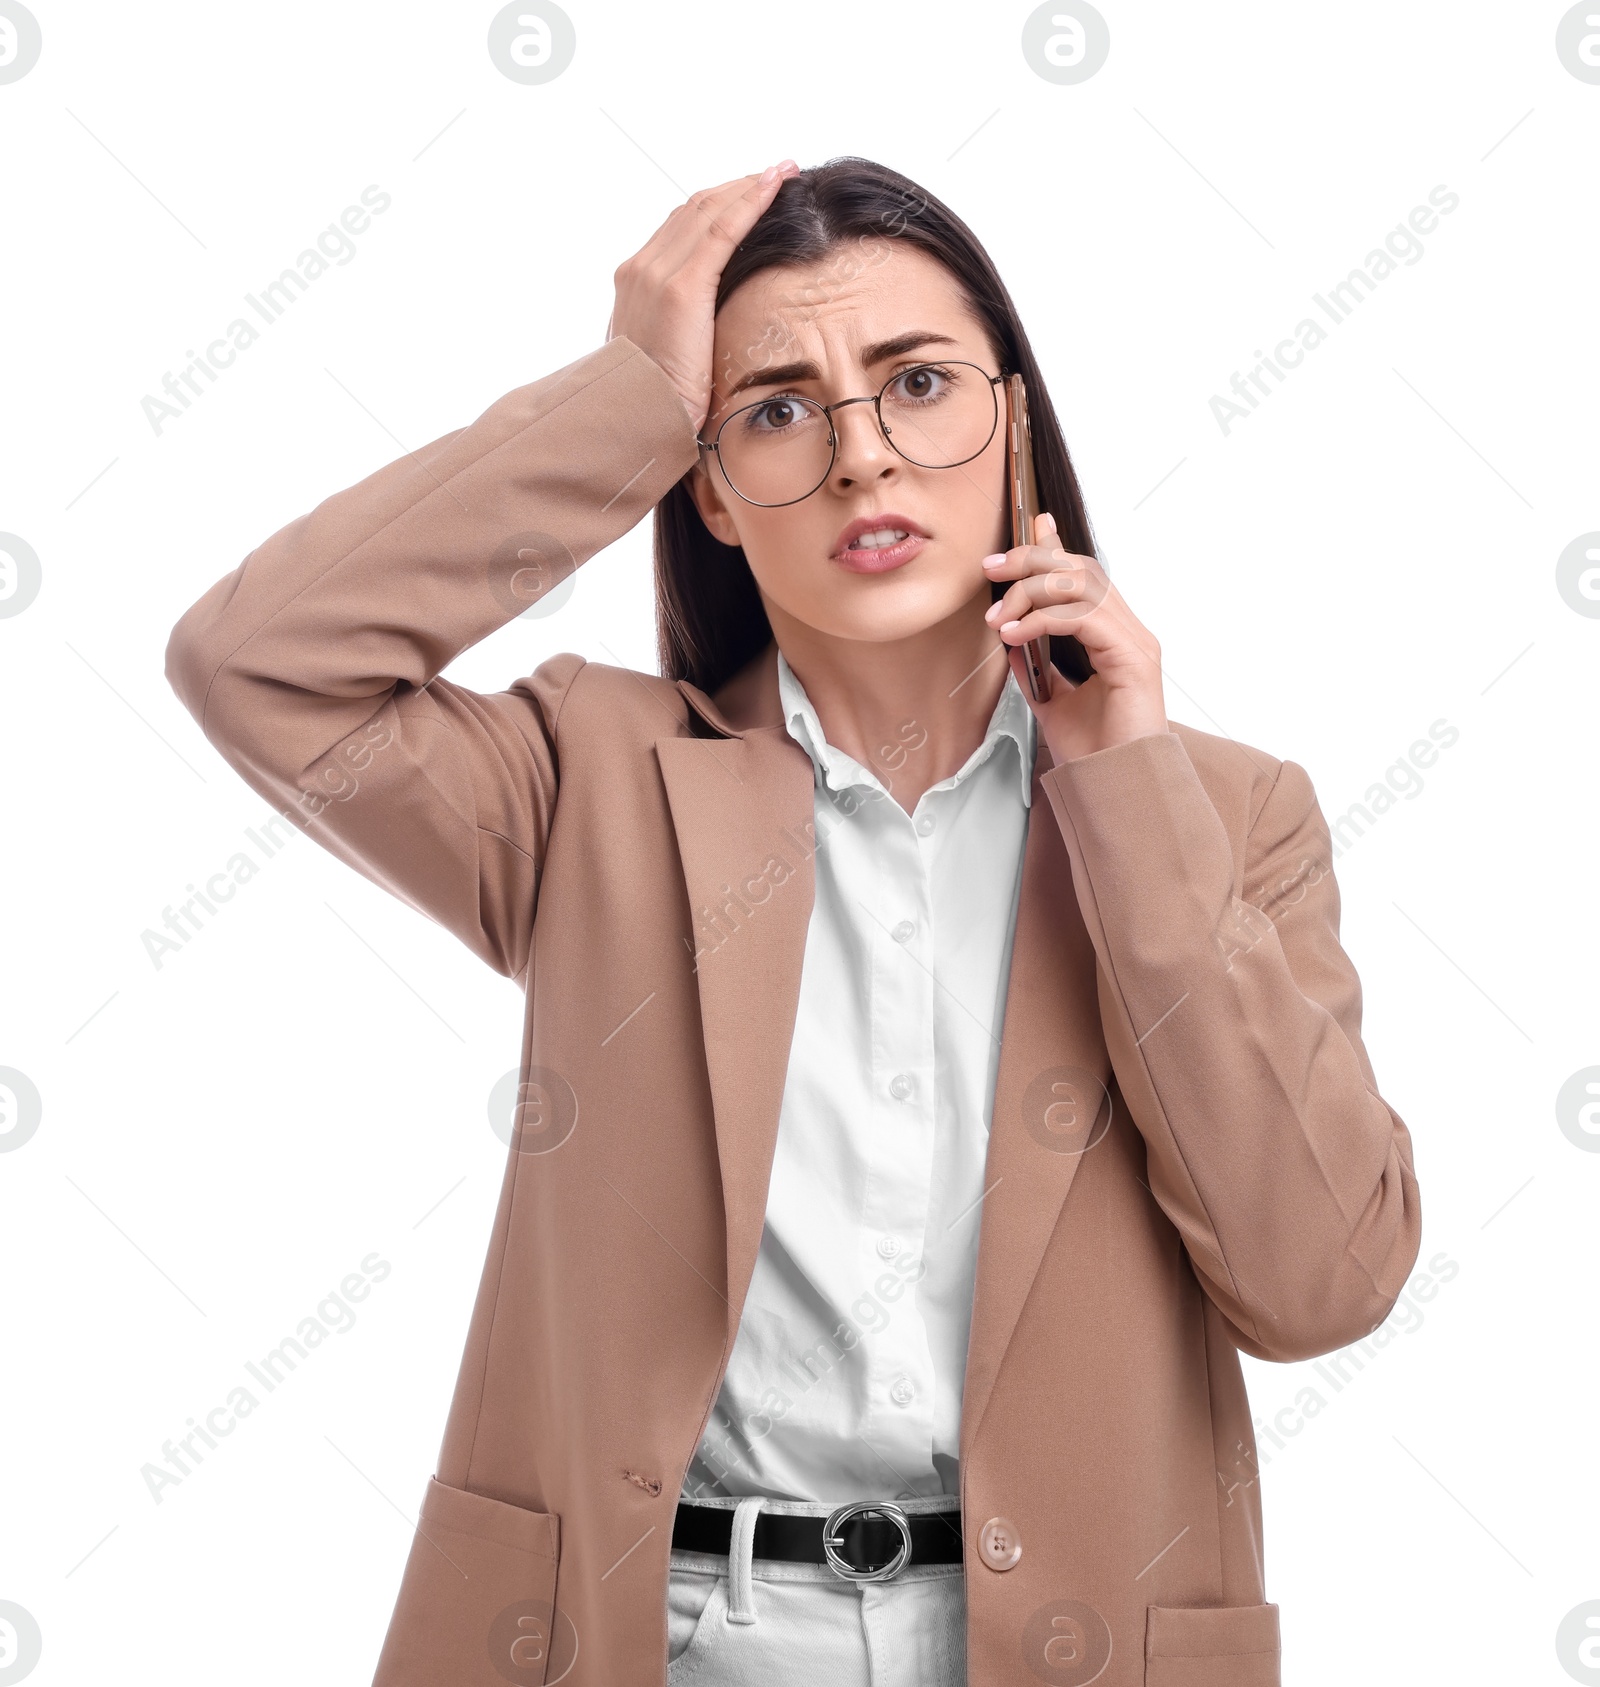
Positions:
{"x": 839, "y": 329}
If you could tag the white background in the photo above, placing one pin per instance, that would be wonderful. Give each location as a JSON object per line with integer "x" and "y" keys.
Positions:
{"x": 224, "y": 1138}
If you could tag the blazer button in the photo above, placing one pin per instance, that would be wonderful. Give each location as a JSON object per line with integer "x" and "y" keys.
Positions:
{"x": 999, "y": 1544}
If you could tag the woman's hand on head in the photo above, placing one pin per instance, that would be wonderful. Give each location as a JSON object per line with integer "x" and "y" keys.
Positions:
{"x": 1054, "y": 591}
{"x": 667, "y": 291}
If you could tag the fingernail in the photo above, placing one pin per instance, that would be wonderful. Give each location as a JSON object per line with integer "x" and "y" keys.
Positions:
{"x": 1050, "y": 521}
{"x": 770, "y": 175}
{"x": 990, "y": 561}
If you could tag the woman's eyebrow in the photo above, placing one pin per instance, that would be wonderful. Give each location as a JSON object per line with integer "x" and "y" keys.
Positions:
{"x": 780, "y": 374}
{"x": 775, "y": 374}
{"x": 909, "y": 341}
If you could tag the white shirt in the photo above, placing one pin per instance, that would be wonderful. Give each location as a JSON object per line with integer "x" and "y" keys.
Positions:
{"x": 846, "y": 1373}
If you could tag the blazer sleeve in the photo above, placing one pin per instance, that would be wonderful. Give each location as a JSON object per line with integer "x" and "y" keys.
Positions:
{"x": 1234, "y": 1028}
{"x": 314, "y": 666}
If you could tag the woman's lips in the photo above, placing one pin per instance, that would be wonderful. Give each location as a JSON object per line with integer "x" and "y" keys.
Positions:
{"x": 880, "y": 559}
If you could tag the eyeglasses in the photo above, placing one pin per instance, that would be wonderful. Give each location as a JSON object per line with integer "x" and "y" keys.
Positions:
{"x": 781, "y": 449}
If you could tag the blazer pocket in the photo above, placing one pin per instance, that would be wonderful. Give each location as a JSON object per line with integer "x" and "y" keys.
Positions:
{"x": 1212, "y": 1646}
{"x": 476, "y": 1606}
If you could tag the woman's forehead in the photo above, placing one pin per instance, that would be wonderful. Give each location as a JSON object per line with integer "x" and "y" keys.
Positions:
{"x": 856, "y": 297}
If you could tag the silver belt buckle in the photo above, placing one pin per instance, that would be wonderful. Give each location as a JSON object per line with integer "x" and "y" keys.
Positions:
{"x": 832, "y": 1540}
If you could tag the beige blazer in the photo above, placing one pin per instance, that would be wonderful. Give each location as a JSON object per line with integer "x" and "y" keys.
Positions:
{"x": 1188, "y": 1157}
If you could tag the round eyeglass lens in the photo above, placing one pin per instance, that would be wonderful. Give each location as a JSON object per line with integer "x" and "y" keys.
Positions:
{"x": 776, "y": 451}
{"x": 939, "y": 414}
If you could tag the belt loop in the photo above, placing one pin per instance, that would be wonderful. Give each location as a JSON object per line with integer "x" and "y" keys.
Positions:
{"x": 741, "y": 1593}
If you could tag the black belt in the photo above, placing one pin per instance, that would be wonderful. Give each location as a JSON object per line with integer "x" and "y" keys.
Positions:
{"x": 866, "y": 1540}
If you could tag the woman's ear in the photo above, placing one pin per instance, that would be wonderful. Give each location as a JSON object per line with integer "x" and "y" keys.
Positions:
{"x": 708, "y": 500}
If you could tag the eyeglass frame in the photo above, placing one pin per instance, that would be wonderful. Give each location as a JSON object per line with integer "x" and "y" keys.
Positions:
{"x": 876, "y": 401}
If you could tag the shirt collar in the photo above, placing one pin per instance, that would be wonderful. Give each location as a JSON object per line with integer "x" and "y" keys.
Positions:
{"x": 1012, "y": 718}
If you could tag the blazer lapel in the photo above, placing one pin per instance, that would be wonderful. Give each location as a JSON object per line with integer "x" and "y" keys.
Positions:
{"x": 743, "y": 810}
{"x": 1050, "y": 1101}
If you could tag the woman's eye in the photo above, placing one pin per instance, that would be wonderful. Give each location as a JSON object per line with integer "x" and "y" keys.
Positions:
{"x": 922, "y": 383}
{"x": 775, "y": 414}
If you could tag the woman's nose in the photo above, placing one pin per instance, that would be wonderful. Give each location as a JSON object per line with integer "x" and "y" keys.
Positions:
{"x": 863, "y": 453}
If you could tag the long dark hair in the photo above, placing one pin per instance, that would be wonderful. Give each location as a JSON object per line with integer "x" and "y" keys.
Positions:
{"x": 709, "y": 617}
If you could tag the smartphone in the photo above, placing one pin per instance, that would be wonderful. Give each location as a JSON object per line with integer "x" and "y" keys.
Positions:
{"x": 1024, "y": 507}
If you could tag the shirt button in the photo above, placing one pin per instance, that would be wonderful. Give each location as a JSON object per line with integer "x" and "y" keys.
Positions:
{"x": 925, "y": 824}
{"x": 902, "y": 1392}
{"x": 999, "y": 1544}
{"x": 903, "y": 931}
{"x": 901, "y": 1085}
{"x": 888, "y": 1246}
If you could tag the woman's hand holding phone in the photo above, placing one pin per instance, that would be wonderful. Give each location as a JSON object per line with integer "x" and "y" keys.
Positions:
{"x": 667, "y": 291}
{"x": 1054, "y": 591}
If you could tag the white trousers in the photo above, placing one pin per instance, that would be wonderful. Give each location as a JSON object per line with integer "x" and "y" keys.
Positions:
{"x": 741, "y": 1621}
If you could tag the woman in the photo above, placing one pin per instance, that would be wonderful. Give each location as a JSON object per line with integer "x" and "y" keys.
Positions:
{"x": 927, "y": 1091}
